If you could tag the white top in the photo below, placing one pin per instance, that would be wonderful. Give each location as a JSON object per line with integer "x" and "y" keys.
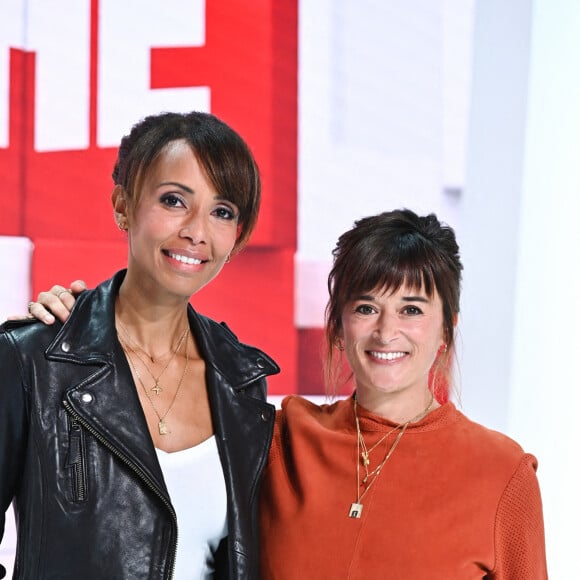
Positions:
{"x": 196, "y": 485}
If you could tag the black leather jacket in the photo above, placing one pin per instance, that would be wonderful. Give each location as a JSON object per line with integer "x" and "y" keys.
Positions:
{"x": 78, "y": 461}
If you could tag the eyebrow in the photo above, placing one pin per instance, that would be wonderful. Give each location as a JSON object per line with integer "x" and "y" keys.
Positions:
{"x": 191, "y": 191}
{"x": 176, "y": 184}
{"x": 370, "y": 298}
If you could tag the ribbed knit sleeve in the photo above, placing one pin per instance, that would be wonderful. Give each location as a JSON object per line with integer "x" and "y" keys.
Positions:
{"x": 519, "y": 527}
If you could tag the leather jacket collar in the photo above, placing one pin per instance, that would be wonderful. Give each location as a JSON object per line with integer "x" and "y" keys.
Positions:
{"x": 91, "y": 344}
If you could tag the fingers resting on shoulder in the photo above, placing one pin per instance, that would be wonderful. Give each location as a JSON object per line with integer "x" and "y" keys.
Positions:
{"x": 56, "y": 303}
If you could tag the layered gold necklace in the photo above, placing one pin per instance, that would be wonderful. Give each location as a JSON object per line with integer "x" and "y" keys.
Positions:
{"x": 162, "y": 425}
{"x": 156, "y": 388}
{"x": 363, "y": 457}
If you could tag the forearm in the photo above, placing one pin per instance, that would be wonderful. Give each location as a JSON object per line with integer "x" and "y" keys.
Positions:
{"x": 519, "y": 534}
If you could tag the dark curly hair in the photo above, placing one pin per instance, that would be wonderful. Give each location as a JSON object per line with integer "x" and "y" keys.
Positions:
{"x": 222, "y": 153}
{"x": 387, "y": 251}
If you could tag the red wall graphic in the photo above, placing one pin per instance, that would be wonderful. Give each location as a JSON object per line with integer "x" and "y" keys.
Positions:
{"x": 60, "y": 198}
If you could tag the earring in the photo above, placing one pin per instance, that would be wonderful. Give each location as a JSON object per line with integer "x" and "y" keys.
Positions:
{"x": 444, "y": 347}
{"x": 228, "y": 258}
{"x": 122, "y": 224}
{"x": 339, "y": 345}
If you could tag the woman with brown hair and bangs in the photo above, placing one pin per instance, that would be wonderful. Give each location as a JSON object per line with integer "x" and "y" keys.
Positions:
{"x": 394, "y": 482}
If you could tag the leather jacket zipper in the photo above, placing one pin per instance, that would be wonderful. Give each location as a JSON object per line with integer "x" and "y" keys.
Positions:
{"x": 150, "y": 485}
{"x": 76, "y": 461}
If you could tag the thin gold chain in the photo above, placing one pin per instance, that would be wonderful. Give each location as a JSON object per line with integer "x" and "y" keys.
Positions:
{"x": 142, "y": 348}
{"x": 377, "y": 471}
{"x": 360, "y": 442}
{"x": 162, "y": 425}
{"x": 156, "y": 388}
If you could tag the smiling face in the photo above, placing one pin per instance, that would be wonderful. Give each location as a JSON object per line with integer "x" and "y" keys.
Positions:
{"x": 181, "y": 230}
{"x": 392, "y": 339}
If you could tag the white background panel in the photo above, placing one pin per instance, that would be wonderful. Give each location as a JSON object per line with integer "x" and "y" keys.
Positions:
{"x": 15, "y": 256}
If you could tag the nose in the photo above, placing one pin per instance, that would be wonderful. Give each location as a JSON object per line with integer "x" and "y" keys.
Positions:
{"x": 386, "y": 328}
{"x": 195, "y": 228}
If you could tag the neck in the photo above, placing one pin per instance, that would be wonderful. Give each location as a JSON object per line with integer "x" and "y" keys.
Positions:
{"x": 156, "y": 328}
{"x": 397, "y": 407}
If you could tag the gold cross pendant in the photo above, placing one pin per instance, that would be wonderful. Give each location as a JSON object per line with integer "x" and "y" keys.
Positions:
{"x": 156, "y": 389}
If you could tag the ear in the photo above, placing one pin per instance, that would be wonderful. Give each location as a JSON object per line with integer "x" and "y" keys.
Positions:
{"x": 339, "y": 338}
{"x": 119, "y": 201}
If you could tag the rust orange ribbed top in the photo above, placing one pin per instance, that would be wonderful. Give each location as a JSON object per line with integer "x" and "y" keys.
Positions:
{"x": 454, "y": 501}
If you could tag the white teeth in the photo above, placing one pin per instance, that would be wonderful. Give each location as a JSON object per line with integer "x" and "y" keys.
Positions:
{"x": 387, "y": 355}
{"x": 184, "y": 259}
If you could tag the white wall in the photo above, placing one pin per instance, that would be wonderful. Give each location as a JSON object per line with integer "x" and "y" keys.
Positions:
{"x": 521, "y": 246}
{"x": 369, "y": 142}
{"x": 544, "y": 386}
{"x": 491, "y": 205}
{"x": 384, "y": 99}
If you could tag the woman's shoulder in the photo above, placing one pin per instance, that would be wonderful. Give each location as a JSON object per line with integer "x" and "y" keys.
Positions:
{"x": 303, "y": 419}
{"x": 28, "y": 333}
{"x": 484, "y": 441}
{"x": 218, "y": 337}
{"x": 297, "y": 409}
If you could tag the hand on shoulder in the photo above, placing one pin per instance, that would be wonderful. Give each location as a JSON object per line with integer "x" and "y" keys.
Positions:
{"x": 56, "y": 303}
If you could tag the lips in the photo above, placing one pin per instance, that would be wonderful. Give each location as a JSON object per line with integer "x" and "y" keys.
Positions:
{"x": 387, "y": 355}
{"x": 184, "y": 259}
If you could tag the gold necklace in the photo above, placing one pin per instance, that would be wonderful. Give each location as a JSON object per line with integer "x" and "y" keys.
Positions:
{"x": 153, "y": 359}
{"x": 161, "y": 425}
{"x": 365, "y": 453}
{"x": 156, "y": 388}
{"x": 357, "y": 506}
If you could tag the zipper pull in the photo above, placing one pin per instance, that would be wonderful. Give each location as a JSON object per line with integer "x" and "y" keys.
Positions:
{"x": 74, "y": 449}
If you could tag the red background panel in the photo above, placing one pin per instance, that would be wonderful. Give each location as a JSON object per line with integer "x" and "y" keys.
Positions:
{"x": 310, "y": 356}
{"x": 60, "y": 199}
{"x": 68, "y": 195}
{"x": 254, "y": 294}
{"x": 250, "y": 62}
{"x": 13, "y": 159}
{"x": 60, "y": 261}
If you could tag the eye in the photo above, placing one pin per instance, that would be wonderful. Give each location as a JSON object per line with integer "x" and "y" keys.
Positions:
{"x": 365, "y": 309}
{"x": 225, "y": 213}
{"x": 171, "y": 200}
{"x": 412, "y": 310}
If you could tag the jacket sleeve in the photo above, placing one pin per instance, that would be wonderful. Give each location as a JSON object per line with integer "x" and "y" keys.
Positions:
{"x": 519, "y": 527}
{"x": 13, "y": 424}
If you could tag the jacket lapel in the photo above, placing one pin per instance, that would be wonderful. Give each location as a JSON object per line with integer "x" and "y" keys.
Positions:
{"x": 105, "y": 399}
{"x": 243, "y": 420}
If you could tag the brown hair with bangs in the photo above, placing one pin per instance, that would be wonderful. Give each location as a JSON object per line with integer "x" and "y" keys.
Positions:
{"x": 224, "y": 156}
{"x": 387, "y": 251}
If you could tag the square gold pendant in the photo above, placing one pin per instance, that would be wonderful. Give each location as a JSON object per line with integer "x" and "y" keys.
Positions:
{"x": 355, "y": 510}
